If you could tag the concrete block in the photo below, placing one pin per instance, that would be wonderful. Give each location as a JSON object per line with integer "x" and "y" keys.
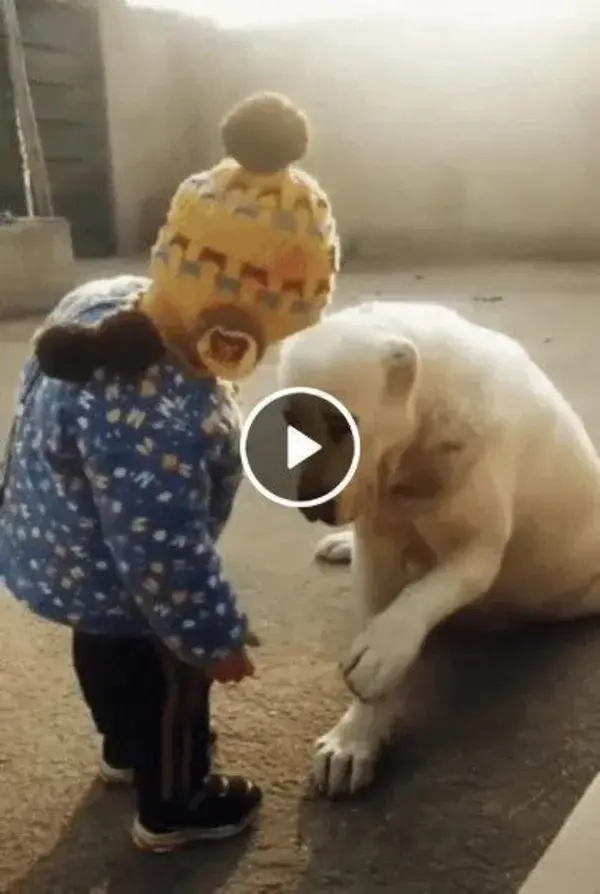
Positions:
{"x": 36, "y": 264}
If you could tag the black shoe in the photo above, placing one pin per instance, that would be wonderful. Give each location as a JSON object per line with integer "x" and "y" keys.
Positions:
{"x": 225, "y": 807}
{"x": 115, "y": 763}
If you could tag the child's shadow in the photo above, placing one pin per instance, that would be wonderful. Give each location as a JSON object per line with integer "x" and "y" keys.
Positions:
{"x": 95, "y": 853}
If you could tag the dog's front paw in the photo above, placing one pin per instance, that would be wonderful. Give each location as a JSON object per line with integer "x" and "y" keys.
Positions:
{"x": 345, "y": 759}
{"x": 336, "y": 548}
{"x": 379, "y": 657}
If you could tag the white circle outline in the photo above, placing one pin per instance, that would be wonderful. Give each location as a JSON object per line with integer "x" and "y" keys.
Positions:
{"x": 283, "y": 501}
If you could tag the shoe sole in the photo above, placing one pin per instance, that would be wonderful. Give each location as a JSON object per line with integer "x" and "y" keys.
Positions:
{"x": 114, "y": 778}
{"x": 167, "y": 842}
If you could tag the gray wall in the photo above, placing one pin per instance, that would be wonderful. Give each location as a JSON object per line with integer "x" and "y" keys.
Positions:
{"x": 159, "y": 97}
{"x": 65, "y": 70}
{"x": 435, "y": 142}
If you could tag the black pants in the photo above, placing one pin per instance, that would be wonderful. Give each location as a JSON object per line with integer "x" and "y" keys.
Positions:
{"x": 150, "y": 706}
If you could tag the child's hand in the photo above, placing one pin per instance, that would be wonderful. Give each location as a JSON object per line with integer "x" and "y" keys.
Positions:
{"x": 252, "y": 640}
{"x": 233, "y": 669}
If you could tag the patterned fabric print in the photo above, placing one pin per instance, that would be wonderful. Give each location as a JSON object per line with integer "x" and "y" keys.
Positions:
{"x": 116, "y": 497}
{"x": 226, "y": 220}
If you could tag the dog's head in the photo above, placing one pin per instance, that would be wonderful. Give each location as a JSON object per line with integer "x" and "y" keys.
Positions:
{"x": 375, "y": 374}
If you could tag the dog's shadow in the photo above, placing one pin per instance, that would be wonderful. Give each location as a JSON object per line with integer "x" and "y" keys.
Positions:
{"x": 470, "y": 800}
{"x": 95, "y": 854}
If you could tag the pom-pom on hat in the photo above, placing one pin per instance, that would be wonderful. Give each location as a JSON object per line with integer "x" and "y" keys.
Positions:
{"x": 249, "y": 250}
{"x": 247, "y": 255}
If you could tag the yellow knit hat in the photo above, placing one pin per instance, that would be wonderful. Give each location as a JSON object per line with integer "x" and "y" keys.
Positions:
{"x": 249, "y": 250}
{"x": 247, "y": 256}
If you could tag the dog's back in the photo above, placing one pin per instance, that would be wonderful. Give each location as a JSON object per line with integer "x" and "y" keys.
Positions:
{"x": 545, "y": 460}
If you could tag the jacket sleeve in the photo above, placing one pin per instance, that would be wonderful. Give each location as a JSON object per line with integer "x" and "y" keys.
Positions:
{"x": 154, "y": 496}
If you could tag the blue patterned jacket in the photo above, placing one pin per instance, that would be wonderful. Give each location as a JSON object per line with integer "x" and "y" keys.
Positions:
{"x": 116, "y": 494}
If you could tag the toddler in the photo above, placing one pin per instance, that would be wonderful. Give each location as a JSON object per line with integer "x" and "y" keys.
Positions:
{"x": 122, "y": 465}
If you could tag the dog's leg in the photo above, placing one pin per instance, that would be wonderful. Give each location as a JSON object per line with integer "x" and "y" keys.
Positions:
{"x": 346, "y": 756}
{"x": 380, "y": 656}
{"x": 336, "y": 548}
{"x": 583, "y": 603}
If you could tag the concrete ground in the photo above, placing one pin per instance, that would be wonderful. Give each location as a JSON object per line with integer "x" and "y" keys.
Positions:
{"x": 472, "y": 828}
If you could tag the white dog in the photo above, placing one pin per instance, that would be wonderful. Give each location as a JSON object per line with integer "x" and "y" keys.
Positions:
{"x": 478, "y": 488}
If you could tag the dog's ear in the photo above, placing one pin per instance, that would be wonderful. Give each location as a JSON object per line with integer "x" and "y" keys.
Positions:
{"x": 401, "y": 365}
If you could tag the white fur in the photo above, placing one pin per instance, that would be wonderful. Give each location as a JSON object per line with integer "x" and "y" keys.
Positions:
{"x": 515, "y": 524}
{"x": 336, "y": 548}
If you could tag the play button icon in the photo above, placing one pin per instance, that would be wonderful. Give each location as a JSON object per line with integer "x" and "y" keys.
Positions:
{"x": 287, "y": 430}
{"x": 299, "y": 447}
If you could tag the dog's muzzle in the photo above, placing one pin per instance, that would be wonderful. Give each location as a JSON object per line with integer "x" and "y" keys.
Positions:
{"x": 324, "y": 513}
